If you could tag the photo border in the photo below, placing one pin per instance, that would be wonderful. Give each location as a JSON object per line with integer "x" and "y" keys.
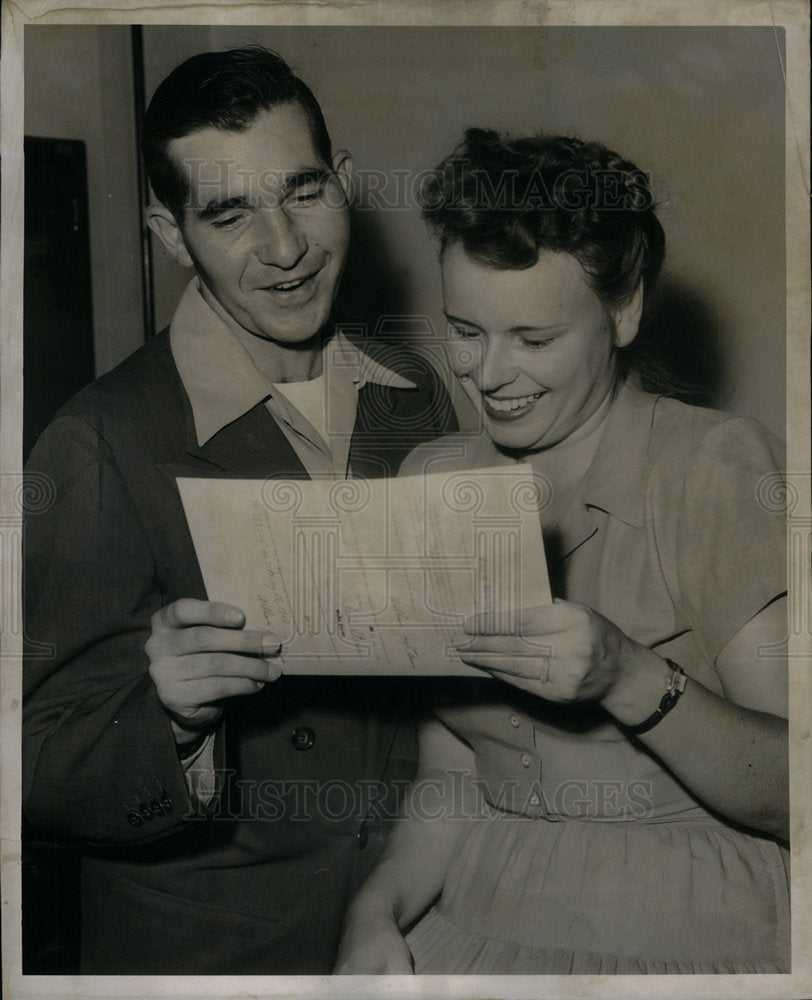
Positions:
{"x": 793, "y": 16}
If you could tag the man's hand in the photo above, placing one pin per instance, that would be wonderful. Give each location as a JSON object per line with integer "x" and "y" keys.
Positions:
{"x": 199, "y": 653}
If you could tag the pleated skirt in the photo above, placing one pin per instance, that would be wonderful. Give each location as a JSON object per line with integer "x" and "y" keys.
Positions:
{"x": 536, "y": 897}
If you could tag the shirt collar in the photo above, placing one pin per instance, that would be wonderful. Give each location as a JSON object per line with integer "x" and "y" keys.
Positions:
{"x": 616, "y": 479}
{"x": 221, "y": 380}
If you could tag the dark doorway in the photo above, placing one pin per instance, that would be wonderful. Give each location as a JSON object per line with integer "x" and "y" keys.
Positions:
{"x": 58, "y": 307}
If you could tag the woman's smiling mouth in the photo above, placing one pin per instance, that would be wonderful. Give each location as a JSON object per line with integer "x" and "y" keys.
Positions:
{"x": 508, "y": 406}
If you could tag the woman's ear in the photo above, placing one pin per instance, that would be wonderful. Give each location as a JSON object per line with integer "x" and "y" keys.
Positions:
{"x": 627, "y": 318}
{"x": 162, "y": 222}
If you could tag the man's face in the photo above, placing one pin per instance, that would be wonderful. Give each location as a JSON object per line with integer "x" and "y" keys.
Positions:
{"x": 266, "y": 227}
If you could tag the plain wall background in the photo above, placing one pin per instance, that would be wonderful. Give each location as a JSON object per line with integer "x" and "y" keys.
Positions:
{"x": 700, "y": 109}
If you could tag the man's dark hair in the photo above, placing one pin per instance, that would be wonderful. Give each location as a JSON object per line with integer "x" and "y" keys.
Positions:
{"x": 224, "y": 90}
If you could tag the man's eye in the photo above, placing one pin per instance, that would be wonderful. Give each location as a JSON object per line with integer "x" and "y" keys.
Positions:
{"x": 226, "y": 221}
{"x": 544, "y": 342}
{"x": 462, "y": 331}
{"x": 307, "y": 194}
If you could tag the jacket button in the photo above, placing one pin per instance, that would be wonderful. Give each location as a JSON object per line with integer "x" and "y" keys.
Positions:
{"x": 166, "y": 802}
{"x": 363, "y": 836}
{"x": 303, "y": 738}
{"x": 134, "y": 819}
{"x": 515, "y": 721}
{"x": 145, "y": 811}
{"x": 157, "y": 808}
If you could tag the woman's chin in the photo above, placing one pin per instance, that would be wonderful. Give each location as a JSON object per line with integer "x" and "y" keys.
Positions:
{"x": 512, "y": 441}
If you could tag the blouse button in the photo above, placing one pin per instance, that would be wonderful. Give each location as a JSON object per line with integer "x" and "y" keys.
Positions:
{"x": 515, "y": 721}
{"x": 525, "y": 759}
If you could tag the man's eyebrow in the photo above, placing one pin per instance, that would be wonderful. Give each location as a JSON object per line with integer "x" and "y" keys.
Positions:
{"x": 300, "y": 178}
{"x": 293, "y": 182}
{"x": 215, "y": 208}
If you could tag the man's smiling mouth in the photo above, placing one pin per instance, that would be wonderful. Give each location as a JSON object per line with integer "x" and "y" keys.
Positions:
{"x": 292, "y": 285}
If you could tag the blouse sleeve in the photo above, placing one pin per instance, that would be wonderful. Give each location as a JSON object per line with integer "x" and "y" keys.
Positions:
{"x": 731, "y": 531}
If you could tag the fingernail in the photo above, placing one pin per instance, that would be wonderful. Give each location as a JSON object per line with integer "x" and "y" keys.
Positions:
{"x": 271, "y": 645}
{"x": 234, "y": 617}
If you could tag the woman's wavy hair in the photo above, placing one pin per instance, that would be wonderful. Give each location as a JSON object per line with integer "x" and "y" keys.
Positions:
{"x": 505, "y": 200}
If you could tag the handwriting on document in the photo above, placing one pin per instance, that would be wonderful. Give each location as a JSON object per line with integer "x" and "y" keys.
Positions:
{"x": 371, "y": 576}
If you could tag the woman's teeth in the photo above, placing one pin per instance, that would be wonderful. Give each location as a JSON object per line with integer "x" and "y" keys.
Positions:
{"x": 506, "y": 405}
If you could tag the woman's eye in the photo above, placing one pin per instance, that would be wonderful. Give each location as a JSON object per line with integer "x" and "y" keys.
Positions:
{"x": 461, "y": 331}
{"x": 536, "y": 344}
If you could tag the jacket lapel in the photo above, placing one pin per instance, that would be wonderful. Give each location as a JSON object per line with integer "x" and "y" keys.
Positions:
{"x": 253, "y": 447}
{"x": 379, "y": 443}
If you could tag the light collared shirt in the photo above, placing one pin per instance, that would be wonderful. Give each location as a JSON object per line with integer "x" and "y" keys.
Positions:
{"x": 223, "y": 384}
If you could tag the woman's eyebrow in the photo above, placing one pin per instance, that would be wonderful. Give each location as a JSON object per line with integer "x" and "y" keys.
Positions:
{"x": 520, "y": 329}
{"x": 460, "y": 320}
{"x": 537, "y": 329}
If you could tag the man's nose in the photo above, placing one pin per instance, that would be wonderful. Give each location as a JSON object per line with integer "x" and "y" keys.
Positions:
{"x": 281, "y": 241}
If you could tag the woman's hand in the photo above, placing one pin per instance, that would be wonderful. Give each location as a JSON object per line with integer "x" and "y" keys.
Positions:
{"x": 563, "y": 652}
{"x": 372, "y": 945}
{"x": 732, "y": 754}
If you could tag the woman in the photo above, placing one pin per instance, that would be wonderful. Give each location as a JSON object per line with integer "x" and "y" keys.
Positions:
{"x": 617, "y": 803}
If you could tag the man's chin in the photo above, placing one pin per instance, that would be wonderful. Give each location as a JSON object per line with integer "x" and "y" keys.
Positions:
{"x": 295, "y": 339}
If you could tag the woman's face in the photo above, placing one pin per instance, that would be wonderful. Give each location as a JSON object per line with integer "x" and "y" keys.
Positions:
{"x": 533, "y": 348}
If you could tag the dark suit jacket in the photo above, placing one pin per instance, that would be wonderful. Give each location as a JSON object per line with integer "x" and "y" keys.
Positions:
{"x": 258, "y": 884}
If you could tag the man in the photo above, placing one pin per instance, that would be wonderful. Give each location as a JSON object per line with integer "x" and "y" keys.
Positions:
{"x": 157, "y": 733}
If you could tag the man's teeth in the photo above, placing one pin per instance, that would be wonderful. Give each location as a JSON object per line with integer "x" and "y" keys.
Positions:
{"x": 506, "y": 405}
{"x": 286, "y": 286}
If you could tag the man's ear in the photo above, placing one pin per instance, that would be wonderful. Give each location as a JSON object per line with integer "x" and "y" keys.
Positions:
{"x": 627, "y": 318}
{"x": 162, "y": 222}
{"x": 343, "y": 166}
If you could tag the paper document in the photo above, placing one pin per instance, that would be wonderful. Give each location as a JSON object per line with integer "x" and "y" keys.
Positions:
{"x": 371, "y": 576}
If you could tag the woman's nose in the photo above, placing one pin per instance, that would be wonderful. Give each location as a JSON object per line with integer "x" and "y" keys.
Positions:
{"x": 497, "y": 367}
{"x": 280, "y": 240}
